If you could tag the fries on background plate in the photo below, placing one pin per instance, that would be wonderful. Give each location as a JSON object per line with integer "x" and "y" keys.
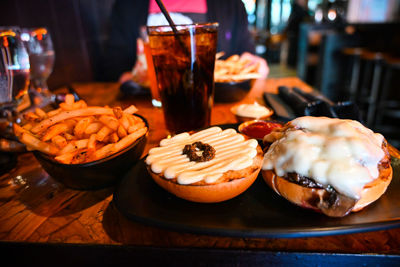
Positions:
{"x": 235, "y": 69}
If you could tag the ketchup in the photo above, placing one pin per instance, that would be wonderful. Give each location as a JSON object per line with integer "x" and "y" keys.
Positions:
{"x": 259, "y": 129}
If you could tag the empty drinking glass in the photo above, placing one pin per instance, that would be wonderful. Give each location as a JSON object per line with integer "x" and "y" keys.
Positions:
{"x": 41, "y": 57}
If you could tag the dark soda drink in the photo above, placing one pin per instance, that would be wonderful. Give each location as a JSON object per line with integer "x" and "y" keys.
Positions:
{"x": 184, "y": 65}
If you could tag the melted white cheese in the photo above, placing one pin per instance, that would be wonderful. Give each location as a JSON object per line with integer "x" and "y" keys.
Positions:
{"x": 252, "y": 110}
{"x": 232, "y": 152}
{"x": 340, "y": 153}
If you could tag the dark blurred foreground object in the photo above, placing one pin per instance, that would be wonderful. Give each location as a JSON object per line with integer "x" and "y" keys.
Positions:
{"x": 300, "y": 105}
{"x": 282, "y": 112}
{"x": 315, "y": 104}
{"x": 342, "y": 110}
{"x": 292, "y": 102}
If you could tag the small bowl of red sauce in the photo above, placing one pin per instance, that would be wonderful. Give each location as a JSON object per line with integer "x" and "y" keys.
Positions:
{"x": 257, "y": 129}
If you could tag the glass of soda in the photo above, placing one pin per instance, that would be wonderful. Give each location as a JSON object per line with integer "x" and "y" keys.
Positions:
{"x": 155, "y": 96}
{"x": 184, "y": 64}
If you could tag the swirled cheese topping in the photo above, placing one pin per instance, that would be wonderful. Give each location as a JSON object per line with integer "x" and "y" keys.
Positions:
{"x": 232, "y": 152}
{"x": 340, "y": 153}
{"x": 252, "y": 110}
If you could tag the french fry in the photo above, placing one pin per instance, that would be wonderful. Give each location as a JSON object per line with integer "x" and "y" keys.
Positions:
{"x": 69, "y": 99}
{"x": 55, "y": 130}
{"x": 59, "y": 141}
{"x": 129, "y": 139}
{"x": 83, "y": 143}
{"x": 113, "y": 138}
{"x": 124, "y": 121}
{"x": 94, "y": 127}
{"x": 110, "y": 122}
{"x": 74, "y": 145}
{"x": 66, "y": 158}
{"x": 53, "y": 112}
{"x": 64, "y": 115}
{"x": 37, "y": 144}
{"x": 80, "y": 157}
{"x": 92, "y": 143}
{"x": 106, "y": 140}
{"x": 40, "y": 113}
{"x": 68, "y": 148}
{"x": 130, "y": 110}
{"x": 103, "y": 152}
{"x": 133, "y": 119}
{"x": 251, "y": 68}
{"x": 28, "y": 126}
{"x": 69, "y": 137}
{"x": 73, "y": 106}
{"x": 82, "y": 103}
{"x": 233, "y": 58}
{"x": 121, "y": 131}
{"x": 219, "y": 55}
{"x": 81, "y": 126}
{"x": 118, "y": 112}
{"x": 104, "y": 131}
{"x": 71, "y": 124}
{"x": 135, "y": 127}
{"x": 74, "y": 157}
{"x": 30, "y": 116}
{"x": 64, "y": 106}
{"x": 18, "y": 130}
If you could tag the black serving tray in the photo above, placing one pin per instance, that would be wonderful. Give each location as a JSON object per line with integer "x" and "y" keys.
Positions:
{"x": 258, "y": 212}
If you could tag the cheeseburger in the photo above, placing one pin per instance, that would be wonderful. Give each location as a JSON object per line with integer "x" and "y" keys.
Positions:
{"x": 211, "y": 165}
{"x": 330, "y": 165}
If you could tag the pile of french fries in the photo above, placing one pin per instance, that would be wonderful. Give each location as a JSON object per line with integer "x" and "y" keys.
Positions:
{"x": 234, "y": 69}
{"x": 75, "y": 133}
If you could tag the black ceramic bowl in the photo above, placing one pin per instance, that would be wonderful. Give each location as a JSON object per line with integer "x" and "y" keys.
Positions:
{"x": 96, "y": 174}
{"x": 231, "y": 91}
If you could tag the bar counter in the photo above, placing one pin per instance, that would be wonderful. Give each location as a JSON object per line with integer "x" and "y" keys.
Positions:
{"x": 45, "y": 220}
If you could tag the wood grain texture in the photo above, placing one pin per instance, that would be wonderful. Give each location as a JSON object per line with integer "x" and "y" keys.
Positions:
{"x": 35, "y": 208}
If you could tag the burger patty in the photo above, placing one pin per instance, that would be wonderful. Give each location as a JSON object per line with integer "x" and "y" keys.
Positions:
{"x": 311, "y": 183}
{"x": 302, "y": 180}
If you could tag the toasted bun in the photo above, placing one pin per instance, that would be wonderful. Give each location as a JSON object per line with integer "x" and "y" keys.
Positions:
{"x": 230, "y": 185}
{"x": 305, "y": 196}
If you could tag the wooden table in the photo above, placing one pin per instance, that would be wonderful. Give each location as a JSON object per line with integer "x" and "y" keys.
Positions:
{"x": 41, "y": 217}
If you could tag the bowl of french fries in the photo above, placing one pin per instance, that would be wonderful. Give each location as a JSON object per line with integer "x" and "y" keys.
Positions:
{"x": 233, "y": 77}
{"x": 84, "y": 147}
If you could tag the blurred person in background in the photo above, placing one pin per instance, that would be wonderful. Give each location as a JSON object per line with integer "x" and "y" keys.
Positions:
{"x": 128, "y": 16}
{"x": 298, "y": 15}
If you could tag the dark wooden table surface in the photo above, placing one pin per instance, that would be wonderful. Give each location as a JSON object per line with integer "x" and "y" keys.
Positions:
{"x": 35, "y": 210}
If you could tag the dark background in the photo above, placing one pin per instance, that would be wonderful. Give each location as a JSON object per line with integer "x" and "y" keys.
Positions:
{"x": 78, "y": 29}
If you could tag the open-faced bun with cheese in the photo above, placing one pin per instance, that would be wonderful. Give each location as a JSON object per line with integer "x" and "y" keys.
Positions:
{"x": 329, "y": 165}
{"x": 208, "y": 166}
